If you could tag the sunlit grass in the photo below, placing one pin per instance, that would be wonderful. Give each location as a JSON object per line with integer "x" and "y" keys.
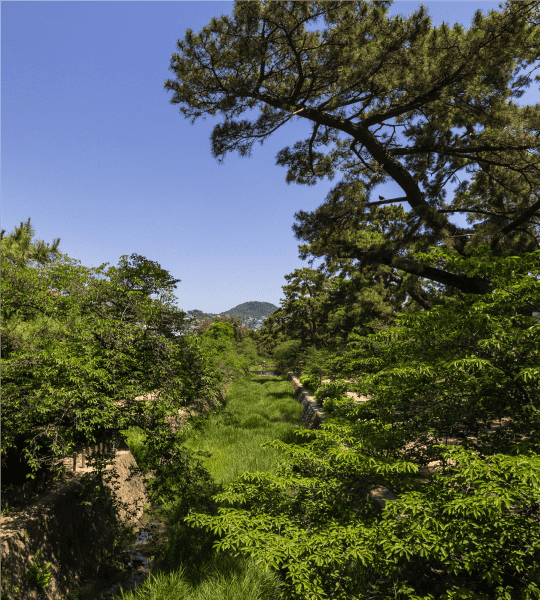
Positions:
{"x": 258, "y": 409}
{"x": 262, "y": 409}
{"x": 228, "y": 578}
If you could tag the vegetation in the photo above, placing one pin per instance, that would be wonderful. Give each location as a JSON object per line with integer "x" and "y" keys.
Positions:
{"x": 79, "y": 345}
{"x": 435, "y": 321}
{"x": 229, "y": 442}
{"x": 469, "y": 363}
{"x": 454, "y": 371}
{"x": 439, "y": 324}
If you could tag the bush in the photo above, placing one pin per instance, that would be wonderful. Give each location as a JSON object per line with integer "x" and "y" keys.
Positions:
{"x": 329, "y": 392}
{"x": 452, "y": 370}
{"x": 310, "y": 382}
{"x": 316, "y": 363}
{"x": 220, "y": 331}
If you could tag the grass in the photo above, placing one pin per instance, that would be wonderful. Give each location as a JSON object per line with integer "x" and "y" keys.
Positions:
{"x": 257, "y": 409}
{"x": 261, "y": 367}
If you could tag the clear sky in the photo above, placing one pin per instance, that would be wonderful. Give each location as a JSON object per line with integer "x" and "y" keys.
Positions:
{"x": 94, "y": 153}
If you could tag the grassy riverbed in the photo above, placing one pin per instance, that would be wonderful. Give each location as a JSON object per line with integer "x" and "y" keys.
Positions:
{"x": 258, "y": 409}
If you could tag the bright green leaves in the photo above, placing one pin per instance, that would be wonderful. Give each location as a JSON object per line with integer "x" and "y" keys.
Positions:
{"x": 79, "y": 344}
{"x": 220, "y": 331}
{"x": 464, "y": 521}
{"x": 481, "y": 503}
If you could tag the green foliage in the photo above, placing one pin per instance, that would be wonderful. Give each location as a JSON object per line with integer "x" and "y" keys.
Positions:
{"x": 72, "y": 358}
{"x": 18, "y": 247}
{"x": 358, "y": 73}
{"x": 309, "y": 381}
{"x": 463, "y": 367}
{"x": 288, "y": 355}
{"x": 327, "y": 393}
{"x": 317, "y": 363}
{"x": 38, "y": 574}
{"x": 321, "y": 310}
{"x": 220, "y": 331}
{"x": 78, "y": 346}
{"x": 221, "y": 348}
{"x": 450, "y": 371}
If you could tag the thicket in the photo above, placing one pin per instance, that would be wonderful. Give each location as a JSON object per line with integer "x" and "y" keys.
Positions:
{"x": 467, "y": 369}
{"x": 80, "y": 344}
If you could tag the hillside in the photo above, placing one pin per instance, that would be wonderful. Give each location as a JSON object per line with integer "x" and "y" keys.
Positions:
{"x": 251, "y": 309}
{"x": 251, "y": 314}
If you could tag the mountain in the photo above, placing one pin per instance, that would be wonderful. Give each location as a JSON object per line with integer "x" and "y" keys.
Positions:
{"x": 259, "y": 310}
{"x": 250, "y": 314}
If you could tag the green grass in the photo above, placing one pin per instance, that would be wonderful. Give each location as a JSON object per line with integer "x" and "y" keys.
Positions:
{"x": 257, "y": 409}
{"x": 227, "y": 579}
{"x": 261, "y": 409}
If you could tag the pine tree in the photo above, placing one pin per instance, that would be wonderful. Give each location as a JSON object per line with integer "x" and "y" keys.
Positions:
{"x": 359, "y": 73}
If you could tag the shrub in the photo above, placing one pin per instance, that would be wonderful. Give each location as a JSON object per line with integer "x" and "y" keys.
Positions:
{"x": 328, "y": 393}
{"x": 220, "y": 331}
{"x": 448, "y": 371}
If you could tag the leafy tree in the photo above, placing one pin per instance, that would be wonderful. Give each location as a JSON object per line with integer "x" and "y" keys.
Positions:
{"x": 461, "y": 368}
{"x": 301, "y": 315}
{"x": 224, "y": 349}
{"x": 220, "y": 331}
{"x": 288, "y": 355}
{"x": 320, "y": 311}
{"x": 240, "y": 331}
{"x": 138, "y": 276}
{"x": 468, "y": 363}
{"x": 361, "y": 72}
{"x": 266, "y": 339}
{"x": 74, "y": 362}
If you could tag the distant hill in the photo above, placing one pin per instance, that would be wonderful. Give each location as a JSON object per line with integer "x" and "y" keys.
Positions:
{"x": 250, "y": 314}
{"x": 259, "y": 310}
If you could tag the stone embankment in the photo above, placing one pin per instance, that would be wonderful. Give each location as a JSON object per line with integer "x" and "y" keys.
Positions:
{"x": 67, "y": 534}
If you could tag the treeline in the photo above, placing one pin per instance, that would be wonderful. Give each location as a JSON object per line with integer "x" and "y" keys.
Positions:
{"x": 80, "y": 344}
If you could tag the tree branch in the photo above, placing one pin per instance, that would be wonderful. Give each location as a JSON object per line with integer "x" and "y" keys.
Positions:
{"x": 468, "y": 285}
{"x": 526, "y": 214}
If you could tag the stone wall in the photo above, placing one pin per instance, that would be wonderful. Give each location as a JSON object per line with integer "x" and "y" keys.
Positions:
{"x": 312, "y": 412}
{"x": 69, "y": 535}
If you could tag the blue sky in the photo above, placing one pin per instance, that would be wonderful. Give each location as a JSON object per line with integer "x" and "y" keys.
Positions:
{"x": 95, "y": 154}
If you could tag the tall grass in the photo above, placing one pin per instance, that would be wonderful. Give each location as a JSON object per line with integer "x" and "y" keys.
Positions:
{"x": 257, "y": 409}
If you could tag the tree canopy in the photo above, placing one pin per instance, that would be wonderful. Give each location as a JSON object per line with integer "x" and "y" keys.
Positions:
{"x": 19, "y": 248}
{"x": 321, "y": 310}
{"x": 466, "y": 373}
{"x": 80, "y": 344}
{"x": 362, "y": 73}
